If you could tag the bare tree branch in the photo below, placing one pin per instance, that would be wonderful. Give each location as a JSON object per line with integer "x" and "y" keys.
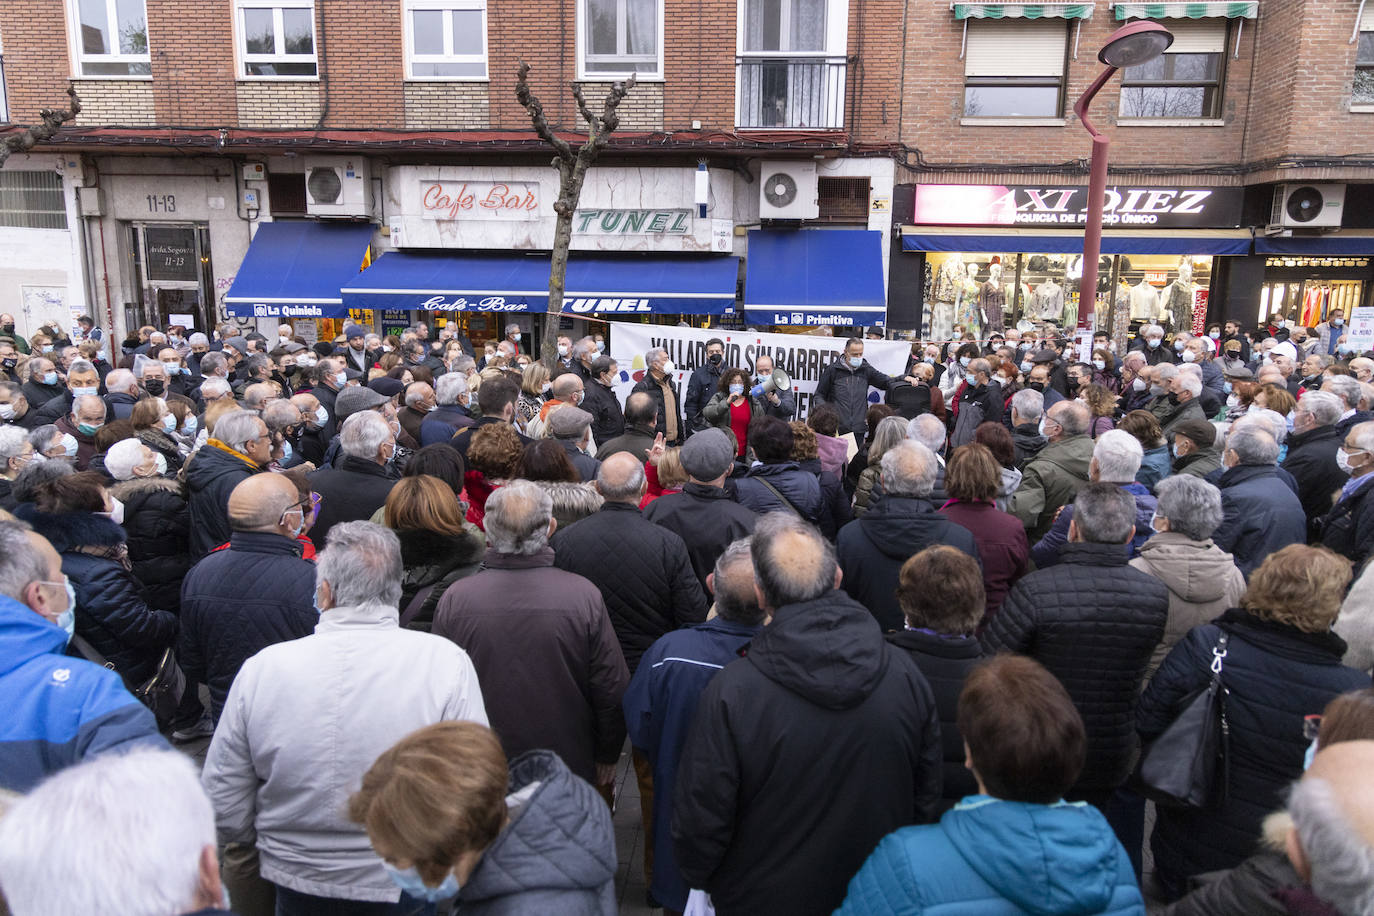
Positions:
{"x": 582, "y": 108}
{"x": 531, "y": 104}
{"x": 52, "y": 120}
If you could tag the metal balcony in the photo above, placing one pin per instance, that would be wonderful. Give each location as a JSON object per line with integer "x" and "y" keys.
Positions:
{"x": 789, "y": 92}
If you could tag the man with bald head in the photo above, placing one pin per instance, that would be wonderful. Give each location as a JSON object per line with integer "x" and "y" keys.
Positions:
{"x": 256, "y": 592}
{"x": 1053, "y": 477}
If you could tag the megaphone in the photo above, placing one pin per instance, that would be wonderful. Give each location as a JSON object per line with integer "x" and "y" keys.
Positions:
{"x": 778, "y": 380}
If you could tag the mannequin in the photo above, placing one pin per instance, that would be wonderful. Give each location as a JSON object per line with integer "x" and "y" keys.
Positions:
{"x": 1178, "y": 299}
{"x": 948, "y": 284}
{"x": 1121, "y": 315}
{"x": 1049, "y": 300}
{"x": 1144, "y": 302}
{"x": 992, "y": 300}
{"x": 967, "y": 311}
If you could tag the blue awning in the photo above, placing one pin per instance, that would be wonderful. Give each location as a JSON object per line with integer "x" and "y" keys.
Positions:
{"x": 1316, "y": 245}
{"x": 1216, "y": 242}
{"x": 815, "y": 277}
{"x": 296, "y": 269}
{"x": 512, "y": 282}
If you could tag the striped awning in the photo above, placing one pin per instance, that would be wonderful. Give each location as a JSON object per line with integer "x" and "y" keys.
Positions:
{"x": 1023, "y": 10}
{"x": 1213, "y": 9}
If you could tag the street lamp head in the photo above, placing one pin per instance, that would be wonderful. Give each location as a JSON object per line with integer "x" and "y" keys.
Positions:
{"x": 1135, "y": 44}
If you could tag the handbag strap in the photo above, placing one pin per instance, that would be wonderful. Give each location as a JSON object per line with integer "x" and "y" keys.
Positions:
{"x": 1219, "y": 656}
{"x": 89, "y": 652}
{"x": 776, "y": 492}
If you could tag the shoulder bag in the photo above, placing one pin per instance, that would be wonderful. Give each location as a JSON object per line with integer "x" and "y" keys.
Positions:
{"x": 161, "y": 693}
{"x": 1187, "y": 765}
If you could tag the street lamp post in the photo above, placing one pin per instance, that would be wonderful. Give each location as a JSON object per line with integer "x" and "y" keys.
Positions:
{"x": 1129, "y": 46}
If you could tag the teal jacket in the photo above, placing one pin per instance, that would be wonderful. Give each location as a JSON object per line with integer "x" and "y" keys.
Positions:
{"x": 999, "y": 858}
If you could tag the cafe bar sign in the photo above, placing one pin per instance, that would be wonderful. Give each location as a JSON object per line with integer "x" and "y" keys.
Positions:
{"x": 479, "y": 200}
{"x": 1150, "y": 207}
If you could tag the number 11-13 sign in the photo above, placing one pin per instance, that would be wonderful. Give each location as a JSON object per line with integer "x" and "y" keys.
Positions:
{"x": 171, "y": 254}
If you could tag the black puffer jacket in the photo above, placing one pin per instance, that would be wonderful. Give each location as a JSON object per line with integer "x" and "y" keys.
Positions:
{"x": 801, "y": 757}
{"x": 707, "y": 520}
{"x": 1348, "y": 528}
{"x": 1276, "y": 674}
{"x": 158, "y": 523}
{"x": 434, "y": 561}
{"x": 608, "y": 420}
{"x": 642, "y": 570}
{"x": 211, "y": 475}
{"x": 1312, "y": 462}
{"x": 1093, "y": 622}
{"x": 835, "y": 513}
{"x": 802, "y": 491}
{"x": 239, "y": 601}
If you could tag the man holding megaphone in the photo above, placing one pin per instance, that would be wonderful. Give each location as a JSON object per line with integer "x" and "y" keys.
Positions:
{"x": 774, "y": 389}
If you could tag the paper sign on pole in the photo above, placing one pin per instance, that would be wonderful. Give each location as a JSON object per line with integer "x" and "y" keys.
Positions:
{"x": 1359, "y": 331}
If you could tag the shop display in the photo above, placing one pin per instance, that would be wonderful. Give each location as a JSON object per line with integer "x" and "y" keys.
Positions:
{"x": 1178, "y": 299}
{"x": 992, "y": 299}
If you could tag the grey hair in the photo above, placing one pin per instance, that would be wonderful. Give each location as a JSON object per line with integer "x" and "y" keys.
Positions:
{"x": 909, "y": 469}
{"x": 415, "y": 394}
{"x": 81, "y": 365}
{"x": 1118, "y": 455}
{"x": 792, "y": 561}
{"x": 362, "y": 564}
{"x": 256, "y": 394}
{"x": 1104, "y": 513}
{"x": 36, "y": 473}
{"x": 1270, "y": 420}
{"x": 464, "y": 364}
{"x": 1342, "y": 861}
{"x": 448, "y": 386}
{"x": 92, "y": 401}
{"x": 138, "y": 820}
{"x": 280, "y": 414}
{"x": 1191, "y": 504}
{"x": 237, "y": 427}
{"x": 1190, "y": 383}
{"x": 522, "y": 527}
{"x": 1345, "y": 387}
{"x": 20, "y": 563}
{"x": 215, "y": 387}
{"x": 583, "y": 347}
{"x": 652, "y": 354}
{"x": 197, "y": 339}
{"x": 12, "y": 442}
{"x": 141, "y": 364}
{"x": 119, "y": 379}
{"x": 40, "y": 437}
{"x": 213, "y": 362}
{"x": 1029, "y": 404}
{"x": 122, "y": 457}
{"x": 733, "y": 585}
{"x": 363, "y": 434}
{"x": 890, "y": 431}
{"x": 1165, "y": 372}
{"x": 256, "y": 363}
{"x": 1324, "y": 406}
{"x": 1073, "y": 418}
{"x": 928, "y": 431}
{"x": 629, "y": 487}
{"x": 1253, "y": 446}
{"x": 1363, "y": 434}
{"x": 1151, "y": 330}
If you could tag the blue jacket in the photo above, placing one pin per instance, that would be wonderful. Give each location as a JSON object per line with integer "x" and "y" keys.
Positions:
{"x": 1154, "y": 467}
{"x": 58, "y": 710}
{"x": 1259, "y": 517}
{"x": 659, "y": 704}
{"x": 1045, "y": 551}
{"x": 999, "y": 858}
{"x": 801, "y": 489}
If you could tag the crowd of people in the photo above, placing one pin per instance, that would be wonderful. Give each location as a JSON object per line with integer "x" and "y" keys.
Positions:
{"x": 898, "y": 647}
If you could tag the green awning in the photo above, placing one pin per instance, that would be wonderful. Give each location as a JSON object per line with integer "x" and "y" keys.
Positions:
{"x": 1214, "y": 9}
{"x": 1023, "y": 11}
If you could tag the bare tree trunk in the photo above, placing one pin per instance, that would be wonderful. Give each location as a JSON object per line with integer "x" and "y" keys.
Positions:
{"x": 572, "y": 165}
{"x": 52, "y": 119}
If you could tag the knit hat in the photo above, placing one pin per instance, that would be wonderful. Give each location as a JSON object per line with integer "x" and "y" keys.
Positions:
{"x": 238, "y": 343}
{"x": 355, "y": 330}
{"x": 1199, "y": 431}
{"x": 569, "y": 422}
{"x": 707, "y": 455}
{"x": 355, "y": 399}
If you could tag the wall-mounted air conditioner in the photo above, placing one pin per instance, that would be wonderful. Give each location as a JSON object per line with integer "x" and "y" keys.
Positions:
{"x": 787, "y": 190}
{"x": 1307, "y": 206}
{"x": 336, "y": 186}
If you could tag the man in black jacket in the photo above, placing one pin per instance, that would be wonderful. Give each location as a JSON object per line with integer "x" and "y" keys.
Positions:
{"x": 1311, "y": 459}
{"x": 804, "y": 754}
{"x": 845, "y": 384}
{"x": 780, "y": 402}
{"x": 599, "y": 400}
{"x": 358, "y": 485}
{"x": 658, "y": 383}
{"x": 640, "y": 428}
{"x": 705, "y": 379}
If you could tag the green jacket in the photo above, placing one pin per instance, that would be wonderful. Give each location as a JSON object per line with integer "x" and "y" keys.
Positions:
{"x": 717, "y": 410}
{"x": 1051, "y": 479}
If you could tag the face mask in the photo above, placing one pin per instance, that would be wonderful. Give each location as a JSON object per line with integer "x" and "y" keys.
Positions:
{"x": 340, "y": 379}
{"x": 964, "y": 361}
{"x": 601, "y": 346}
{"x": 736, "y": 389}
{"x": 715, "y": 359}
{"x": 1283, "y": 451}
{"x": 392, "y": 457}
{"x": 161, "y": 462}
{"x": 67, "y": 619}
{"x": 305, "y": 361}
{"x": 1100, "y": 365}
{"x": 562, "y": 349}
{"x": 6, "y": 411}
{"x": 929, "y": 360}
{"x": 1027, "y": 366}
{"x": 1138, "y": 385}
{"x": 7, "y": 328}
{"x": 321, "y": 415}
{"x": 116, "y": 513}
{"x": 286, "y": 450}
{"x": 85, "y": 392}
{"x": 1214, "y": 335}
{"x": 1153, "y": 341}
{"x": 1173, "y": 450}
{"x": 1337, "y": 322}
{"x": 1280, "y": 323}
{"x": 1036, "y": 386}
{"x": 1343, "y": 462}
{"x": 1227, "y": 387}
{"x": 87, "y": 429}
{"x": 154, "y": 386}
{"x": 1345, "y": 349}
{"x": 50, "y": 378}
{"x": 46, "y": 348}
{"x": 171, "y": 369}
{"x": 856, "y": 361}
{"x": 409, "y": 880}
{"x": 1041, "y": 426}
{"x": 1178, "y": 346}
{"x": 516, "y": 337}
{"x": 668, "y": 367}
{"x": 1233, "y": 400}
{"x": 192, "y": 424}
{"x": 1308, "y": 755}
{"x": 1157, "y": 390}
{"x": 1189, "y": 356}
{"x": 169, "y": 423}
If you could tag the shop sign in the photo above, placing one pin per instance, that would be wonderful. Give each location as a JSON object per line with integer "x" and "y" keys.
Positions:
{"x": 480, "y": 200}
{"x": 632, "y": 222}
{"x": 1360, "y": 332}
{"x": 1035, "y": 205}
{"x": 464, "y": 304}
{"x": 800, "y": 319}
{"x": 396, "y": 320}
{"x": 171, "y": 254}
{"x": 1156, "y": 277}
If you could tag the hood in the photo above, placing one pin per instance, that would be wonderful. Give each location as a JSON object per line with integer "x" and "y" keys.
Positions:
{"x": 1196, "y": 571}
{"x": 828, "y": 650}
{"x": 24, "y": 634}
{"x": 559, "y": 837}
{"x": 126, "y": 490}
{"x": 67, "y": 531}
{"x": 898, "y": 524}
{"x": 1011, "y": 479}
{"x": 211, "y": 463}
{"x": 1028, "y": 437}
{"x": 429, "y": 548}
{"x": 1056, "y": 859}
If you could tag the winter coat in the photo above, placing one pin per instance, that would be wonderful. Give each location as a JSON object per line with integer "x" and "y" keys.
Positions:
{"x": 557, "y": 853}
{"x": 701, "y": 388}
{"x": 547, "y": 656}
{"x": 802, "y": 755}
{"x": 585, "y": 465}
{"x": 1259, "y": 517}
{"x": 157, "y": 522}
{"x": 945, "y": 661}
{"x": 707, "y": 520}
{"x": 1188, "y": 410}
{"x": 304, "y": 721}
{"x": 802, "y": 491}
{"x": 1356, "y": 621}
{"x": 637, "y": 440}
{"x": 1203, "y": 582}
{"x": 211, "y": 475}
{"x": 1198, "y": 464}
{"x": 1011, "y": 479}
{"x": 1275, "y": 675}
{"x": 1251, "y": 886}
{"x": 85, "y": 445}
{"x": 572, "y": 502}
{"x": 1155, "y": 465}
{"x": 443, "y": 423}
{"x": 432, "y": 562}
{"x": 975, "y": 406}
{"x": 1093, "y": 622}
{"x": 651, "y": 386}
{"x": 835, "y": 512}
{"x": 1028, "y": 442}
{"x": 162, "y": 442}
{"x": 863, "y": 490}
{"x": 872, "y": 549}
{"x": 239, "y": 601}
{"x": 1312, "y": 462}
{"x": 1002, "y": 546}
{"x": 1051, "y": 479}
{"x": 846, "y": 389}
{"x": 608, "y": 420}
{"x": 1046, "y": 551}
{"x": 59, "y": 710}
{"x": 659, "y": 706}
{"x": 1348, "y": 528}
{"x": 1000, "y": 858}
{"x": 348, "y": 493}
{"x": 833, "y": 454}
{"x": 649, "y": 589}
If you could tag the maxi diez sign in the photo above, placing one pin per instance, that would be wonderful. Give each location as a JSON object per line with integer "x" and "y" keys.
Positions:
{"x": 1034, "y": 205}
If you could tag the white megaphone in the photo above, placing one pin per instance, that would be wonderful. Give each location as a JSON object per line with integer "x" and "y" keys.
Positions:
{"x": 778, "y": 380}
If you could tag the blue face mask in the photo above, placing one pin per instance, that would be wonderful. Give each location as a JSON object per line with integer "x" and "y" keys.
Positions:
{"x": 964, "y": 361}
{"x": 409, "y": 881}
{"x": 1307, "y": 757}
{"x": 85, "y": 392}
{"x": 856, "y": 361}
{"x": 1227, "y": 387}
{"x": 169, "y": 422}
{"x": 286, "y": 450}
{"x": 192, "y": 424}
{"x": 50, "y": 378}
{"x": 1283, "y": 452}
{"x": 340, "y": 379}
{"x": 737, "y": 389}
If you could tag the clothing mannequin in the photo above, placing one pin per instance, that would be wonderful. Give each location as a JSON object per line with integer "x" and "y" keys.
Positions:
{"x": 1121, "y": 315}
{"x": 967, "y": 311}
{"x": 1178, "y": 299}
{"x": 992, "y": 300}
{"x": 1144, "y": 302}
{"x": 949, "y": 282}
{"x": 1049, "y": 301}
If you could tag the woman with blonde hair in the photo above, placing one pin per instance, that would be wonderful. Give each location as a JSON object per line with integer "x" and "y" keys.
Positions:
{"x": 533, "y": 387}
{"x": 156, "y": 426}
{"x": 663, "y": 472}
{"x": 438, "y": 547}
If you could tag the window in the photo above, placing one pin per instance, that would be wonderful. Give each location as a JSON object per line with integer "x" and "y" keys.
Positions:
{"x": 277, "y": 38}
{"x": 620, "y": 37}
{"x": 1184, "y": 82}
{"x": 784, "y": 76}
{"x": 1363, "y": 90}
{"x": 447, "y": 39}
{"x": 784, "y": 25}
{"x": 1014, "y": 68}
{"x": 32, "y": 200}
{"x": 111, "y": 38}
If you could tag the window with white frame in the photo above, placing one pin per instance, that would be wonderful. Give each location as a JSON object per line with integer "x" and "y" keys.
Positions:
{"x": 277, "y": 38}
{"x": 111, "y": 38}
{"x": 620, "y": 37}
{"x": 1362, "y": 93}
{"x": 1014, "y": 68}
{"x": 1185, "y": 81}
{"x": 790, "y": 68}
{"x": 784, "y": 25}
{"x": 447, "y": 39}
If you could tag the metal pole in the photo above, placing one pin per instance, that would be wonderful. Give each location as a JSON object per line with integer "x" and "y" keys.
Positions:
{"x": 1097, "y": 197}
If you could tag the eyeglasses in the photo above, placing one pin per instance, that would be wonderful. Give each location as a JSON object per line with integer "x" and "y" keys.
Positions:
{"x": 1311, "y": 727}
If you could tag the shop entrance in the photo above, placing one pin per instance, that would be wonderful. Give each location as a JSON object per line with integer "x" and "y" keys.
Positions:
{"x": 1305, "y": 290}
{"x": 170, "y": 266}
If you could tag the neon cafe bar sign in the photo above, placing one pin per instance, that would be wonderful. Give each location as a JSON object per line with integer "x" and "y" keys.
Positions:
{"x": 1033, "y": 205}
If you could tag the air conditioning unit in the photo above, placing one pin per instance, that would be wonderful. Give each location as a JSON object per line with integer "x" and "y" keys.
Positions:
{"x": 788, "y": 191}
{"x": 336, "y": 186}
{"x": 1307, "y": 206}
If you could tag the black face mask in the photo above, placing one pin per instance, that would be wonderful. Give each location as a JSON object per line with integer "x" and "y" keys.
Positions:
{"x": 715, "y": 359}
{"x": 1072, "y": 384}
{"x": 1036, "y": 386}
{"x": 155, "y": 386}
{"x": 1173, "y": 398}
{"x": 289, "y": 370}
{"x": 9, "y": 363}
{"x": 8, "y": 328}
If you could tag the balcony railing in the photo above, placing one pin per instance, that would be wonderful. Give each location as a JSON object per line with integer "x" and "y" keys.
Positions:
{"x": 796, "y": 92}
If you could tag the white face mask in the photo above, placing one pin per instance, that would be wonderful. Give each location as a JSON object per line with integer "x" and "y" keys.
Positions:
{"x": 116, "y": 512}
{"x": 668, "y": 367}
{"x": 1189, "y": 356}
{"x": 1343, "y": 461}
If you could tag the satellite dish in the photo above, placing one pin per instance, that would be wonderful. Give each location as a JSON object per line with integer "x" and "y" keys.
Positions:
{"x": 780, "y": 189}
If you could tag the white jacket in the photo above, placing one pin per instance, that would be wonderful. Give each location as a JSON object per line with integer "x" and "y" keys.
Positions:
{"x": 305, "y": 720}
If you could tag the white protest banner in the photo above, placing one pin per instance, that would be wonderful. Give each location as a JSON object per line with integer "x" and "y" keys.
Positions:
{"x": 1359, "y": 332}
{"x": 802, "y": 356}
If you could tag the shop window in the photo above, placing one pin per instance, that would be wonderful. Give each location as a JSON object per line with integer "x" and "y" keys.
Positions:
{"x": 111, "y": 38}
{"x": 1184, "y": 82}
{"x": 790, "y": 71}
{"x": 842, "y": 200}
{"x": 447, "y": 39}
{"x": 1362, "y": 92}
{"x": 1014, "y": 68}
{"x": 277, "y": 38}
{"x": 620, "y": 37}
{"x": 32, "y": 200}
